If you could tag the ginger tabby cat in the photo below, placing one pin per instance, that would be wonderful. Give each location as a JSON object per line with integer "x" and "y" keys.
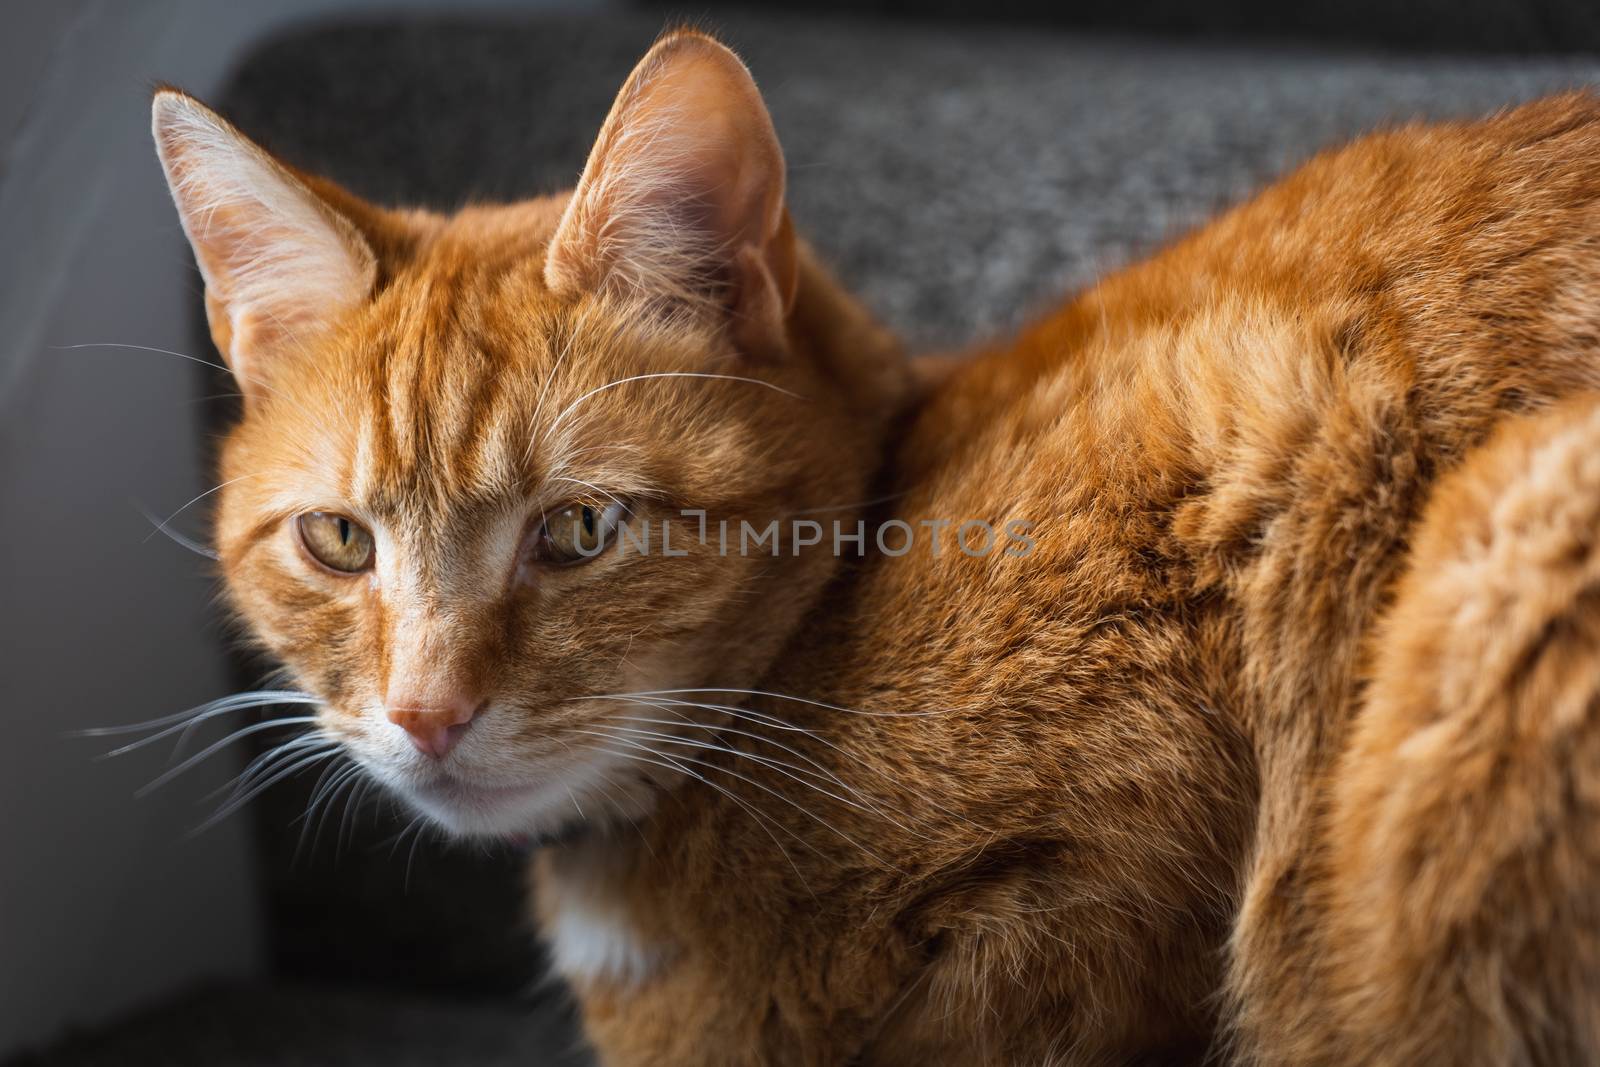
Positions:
{"x": 1273, "y": 741}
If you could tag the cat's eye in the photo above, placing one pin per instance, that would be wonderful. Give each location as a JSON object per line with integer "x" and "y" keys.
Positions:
{"x": 576, "y": 532}
{"x": 338, "y": 543}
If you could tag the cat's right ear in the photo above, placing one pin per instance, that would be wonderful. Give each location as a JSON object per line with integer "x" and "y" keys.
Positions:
{"x": 280, "y": 264}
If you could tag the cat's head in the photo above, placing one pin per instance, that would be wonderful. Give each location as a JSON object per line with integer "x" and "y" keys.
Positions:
{"x": 446, "y": 416}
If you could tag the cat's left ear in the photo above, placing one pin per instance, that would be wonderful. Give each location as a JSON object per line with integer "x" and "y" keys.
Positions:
{"x": 280, "y": 264}
{"x": 681, "y": 202}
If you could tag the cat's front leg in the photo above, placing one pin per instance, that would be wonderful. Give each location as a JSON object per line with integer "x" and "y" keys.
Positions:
{"x": 668, "y": 975}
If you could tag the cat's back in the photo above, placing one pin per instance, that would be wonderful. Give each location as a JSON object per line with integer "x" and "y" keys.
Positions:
{"x": 1259, "y": 410}
{"x": 1419, "y": 237}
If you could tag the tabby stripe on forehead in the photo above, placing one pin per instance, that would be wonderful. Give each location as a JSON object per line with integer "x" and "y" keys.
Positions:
{"x": 400, "y": 397}
{"x": 362, "y": 485}
{"x": 474, "y": 435}
{"x": 374, "y": 407}
{"x": 404, "y": 366}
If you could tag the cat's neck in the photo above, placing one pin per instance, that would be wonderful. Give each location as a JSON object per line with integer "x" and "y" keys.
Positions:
{"x": 832, "y": 330}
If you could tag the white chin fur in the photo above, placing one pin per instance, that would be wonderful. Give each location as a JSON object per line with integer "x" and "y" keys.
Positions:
{"x": 544, "y": 811}
{"x": 491, "y": 786}
{"x": 582, "y": 793}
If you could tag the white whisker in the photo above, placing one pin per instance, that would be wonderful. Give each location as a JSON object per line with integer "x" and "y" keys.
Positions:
{"x": 814, "y": 768}
{"x": 788, "y": 770}
{"x": 326, "y": 785}
{"x": 411, "y": 857}
{"x": 218, "y": 746}
{"x": 345, "y": 780}
{"x": 616, "y": 805}
{"x": 161, "y": 527}
{"x": 351, "y": 819}
{"x": 762, "y": 718}
{"x": 785, "y": 696}
{"x": 177, "y": 538}
{"x": 772, "y": 792}
{"x": 538, "y": 408}
{"x": 559, "y": 419}
{"x": 263, "y": 764}
{"x": 673, "y": 764}
{"x": 255, "y": 698}
{"x": 596, "y": 488}
{"x": 293, "y": 767}
{"x": 394, "y": 842}
{"x": 165, "y": 352}
{"x": 304, "y": 818}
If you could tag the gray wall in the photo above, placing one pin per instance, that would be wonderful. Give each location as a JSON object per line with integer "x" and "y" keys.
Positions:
{"x": 105, "y": 904}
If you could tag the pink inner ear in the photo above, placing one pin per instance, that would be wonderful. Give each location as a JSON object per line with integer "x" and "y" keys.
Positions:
{"x": 280, "y": 265}
{"x": 682, "y": 198}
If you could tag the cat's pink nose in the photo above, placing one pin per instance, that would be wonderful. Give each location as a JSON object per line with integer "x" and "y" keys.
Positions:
{"x": 435, "y": 730}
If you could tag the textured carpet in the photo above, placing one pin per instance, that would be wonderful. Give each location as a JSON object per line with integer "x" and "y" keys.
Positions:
{"x": 957, "y": 177}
